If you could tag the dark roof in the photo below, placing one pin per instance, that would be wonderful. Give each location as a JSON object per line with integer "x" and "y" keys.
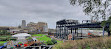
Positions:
{"x": 64, "y": 21}
{"x": 86, "y": 25}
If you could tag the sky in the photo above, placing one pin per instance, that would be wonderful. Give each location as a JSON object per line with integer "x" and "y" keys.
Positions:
{"x": 12, "y": 12}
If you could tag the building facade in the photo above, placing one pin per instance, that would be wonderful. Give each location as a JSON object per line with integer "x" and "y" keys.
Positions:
{"x": 39, "y": 27}
{"x": 42, "y": 26}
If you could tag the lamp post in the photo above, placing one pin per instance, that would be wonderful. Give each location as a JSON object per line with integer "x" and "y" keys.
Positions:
{"x": 81, "y": 29}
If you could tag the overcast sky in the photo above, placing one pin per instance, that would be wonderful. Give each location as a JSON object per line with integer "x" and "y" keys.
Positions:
{"x": 12, "y": 12}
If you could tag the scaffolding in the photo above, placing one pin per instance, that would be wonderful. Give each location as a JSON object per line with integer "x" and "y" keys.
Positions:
{"x": 62, "y": 31}
{"x": 65, "y": 27}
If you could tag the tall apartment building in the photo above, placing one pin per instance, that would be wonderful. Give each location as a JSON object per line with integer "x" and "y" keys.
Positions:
{"x": 23, "y": 24}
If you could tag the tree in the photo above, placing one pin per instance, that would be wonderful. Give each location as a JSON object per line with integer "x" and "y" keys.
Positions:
{"x": 107, "y": 23}
{"x": 95, "y": 8}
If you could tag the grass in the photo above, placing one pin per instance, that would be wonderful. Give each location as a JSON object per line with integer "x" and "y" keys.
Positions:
{"x": 44, "y": 38}
{"x": 59, "y": 41}
{"x": 92, "y": 43}
{"x": 5, "y": 36}
{"x": 2, "y": 42}
{"x": 39, "y": 35}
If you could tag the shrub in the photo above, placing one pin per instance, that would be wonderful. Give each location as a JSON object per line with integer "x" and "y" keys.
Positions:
{"x": 20, "y": 43}
{"x": 49, "y": 43}
{"x": 29, "y": 38}
{"x": 54, "y": 41}
{"x": 13, "y": 39}
{"x": 92, "y": 43}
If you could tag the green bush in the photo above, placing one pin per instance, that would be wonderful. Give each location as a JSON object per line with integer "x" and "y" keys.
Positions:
{"x": 29, "y": 38}
{"x": 13, "y": 39}
{"x": 54, "y": 41}
{"x": 20, "y": 43}
{"x": 50, "y": 43}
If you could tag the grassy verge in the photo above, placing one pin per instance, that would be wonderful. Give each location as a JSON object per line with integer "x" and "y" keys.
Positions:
{"x": 93, "y": 43}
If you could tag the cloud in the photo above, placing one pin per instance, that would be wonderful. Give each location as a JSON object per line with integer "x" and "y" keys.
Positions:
{"x": 50, "y": 11}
